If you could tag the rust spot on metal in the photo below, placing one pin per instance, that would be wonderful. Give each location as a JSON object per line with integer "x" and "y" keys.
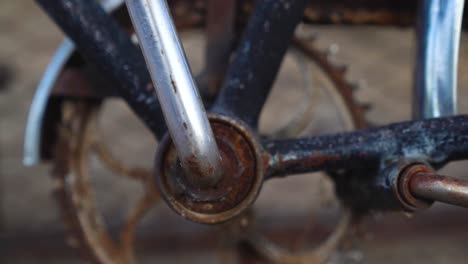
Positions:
{"x": 74, "y": 82}
{"x": 241, "y": 181}
{"x": 196, "y": 171}
{"x": 358, "y": 16}
{"x": 403, "y": 190}
{"x": 173, "y": 84}
{"x": 316, "y": 159}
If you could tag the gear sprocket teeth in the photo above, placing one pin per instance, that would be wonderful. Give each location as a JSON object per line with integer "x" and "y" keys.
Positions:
{"x": 339, "y": 71}
{"x": 73, "y": 235}
{"x": 337, "y": 74}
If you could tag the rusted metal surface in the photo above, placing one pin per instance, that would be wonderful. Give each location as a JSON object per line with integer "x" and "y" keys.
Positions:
{"x": 81, "y": 83}
{"x": 345, "y": 89}
{"x": 101, "y": 40}
{"x": 360, "y": 161}
{"x": 76, "y": 228}
{"x": 189, "y": 13}
{"x": 241, "y": 154}
{"x": 434, "y": 187}
{"x": 193, "y": 12}
{"x": 416, "y": 186}
{"x": 402, "y": 186}
{"x": 409, "y": 185}
{"x": 237, "y": 189}
{"x": 64, "y": 193}
{"x": 331, "y": 12}
{"x": 376, "y": 12}
{"x": 437, "y": 141}
{"x": 75, "y": 194}
{"x": 257, "y": 248}
{"x": 359, "y": 12}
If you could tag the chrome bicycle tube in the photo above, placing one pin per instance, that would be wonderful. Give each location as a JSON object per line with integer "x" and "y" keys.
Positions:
{"x": 439, "y": 29}
{"x": 176, "y": 90}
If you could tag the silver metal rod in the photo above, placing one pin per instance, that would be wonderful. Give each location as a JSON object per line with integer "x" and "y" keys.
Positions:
{"x": 177, "y": 93}
{"x": 438, "y": 37}
{"x": 34, "y": 125}
{"x": 440, "y": 188}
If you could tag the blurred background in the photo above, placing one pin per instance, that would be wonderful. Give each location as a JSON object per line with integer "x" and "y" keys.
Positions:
{"x": 380, "y": 60}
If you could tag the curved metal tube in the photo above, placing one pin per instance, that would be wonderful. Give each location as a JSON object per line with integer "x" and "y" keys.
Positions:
{"x": 181, "y": 104}
{"x": 438, "y": 36}
{"x": 32, "y": 137}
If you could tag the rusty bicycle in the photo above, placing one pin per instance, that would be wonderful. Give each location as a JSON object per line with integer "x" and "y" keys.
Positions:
{"x": 211, "y": 166}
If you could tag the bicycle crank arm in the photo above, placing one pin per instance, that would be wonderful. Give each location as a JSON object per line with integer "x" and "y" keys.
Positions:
{"x": 387, "y": 168}
{"x": 176, "y": 90}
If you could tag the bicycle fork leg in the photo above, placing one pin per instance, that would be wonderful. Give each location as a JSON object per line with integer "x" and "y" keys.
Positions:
{"x": 438, "y": 37}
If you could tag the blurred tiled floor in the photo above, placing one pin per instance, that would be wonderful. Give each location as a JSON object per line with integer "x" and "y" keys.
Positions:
{"x": 380, "y": 59}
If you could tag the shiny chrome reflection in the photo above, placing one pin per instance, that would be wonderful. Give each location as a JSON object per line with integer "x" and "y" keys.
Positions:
{"x": 438, "y": 37}
{"x": 177, "y": 93}
{"x": 32, "y": 135}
